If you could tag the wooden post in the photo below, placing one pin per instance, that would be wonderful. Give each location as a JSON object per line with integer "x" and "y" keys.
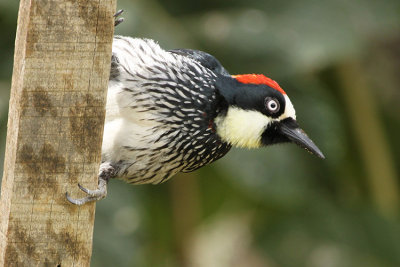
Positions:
{"x": 55, "y": 126}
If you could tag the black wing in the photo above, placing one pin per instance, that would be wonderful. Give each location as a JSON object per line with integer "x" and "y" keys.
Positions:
{"x": 205, "y": 59}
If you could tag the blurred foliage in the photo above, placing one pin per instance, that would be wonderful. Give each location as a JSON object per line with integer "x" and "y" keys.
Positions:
{"x": 339, "y": 62}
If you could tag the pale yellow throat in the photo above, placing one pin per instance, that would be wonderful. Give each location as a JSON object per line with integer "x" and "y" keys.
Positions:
{"x": 242, "y": 128}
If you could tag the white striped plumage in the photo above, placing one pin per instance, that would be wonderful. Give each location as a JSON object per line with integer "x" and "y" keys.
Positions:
{"x": 178, "y": 110}
{"x": 155, "y": 107}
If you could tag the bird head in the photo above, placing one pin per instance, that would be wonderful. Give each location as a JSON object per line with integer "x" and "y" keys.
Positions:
{"x": 257, "y": 112}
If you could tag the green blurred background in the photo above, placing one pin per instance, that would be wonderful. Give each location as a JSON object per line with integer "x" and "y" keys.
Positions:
{"x": 339, "y": 61}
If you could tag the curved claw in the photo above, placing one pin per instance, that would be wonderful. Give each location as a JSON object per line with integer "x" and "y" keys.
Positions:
{"x": 87, "y": 191}
{"x": 118, "y": 21}
{"x": 118, "y": 13}
{"x": 79, "y": 201}
{"x": 100, "y": 193}
{"x": 106, "y": 171}
{"x": 92, "y": 195}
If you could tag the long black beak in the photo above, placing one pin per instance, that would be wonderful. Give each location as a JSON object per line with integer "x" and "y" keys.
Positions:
{"x": 294, "y": 133}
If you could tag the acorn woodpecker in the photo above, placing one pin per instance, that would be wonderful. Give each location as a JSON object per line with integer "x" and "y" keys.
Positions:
{"x": 178, "y": 110}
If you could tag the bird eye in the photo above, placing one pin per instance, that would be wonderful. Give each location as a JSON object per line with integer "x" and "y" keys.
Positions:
{"x": 272, "y": 105}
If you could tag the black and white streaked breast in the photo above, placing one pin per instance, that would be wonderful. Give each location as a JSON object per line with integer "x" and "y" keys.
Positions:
{"x": 160, "y": 111}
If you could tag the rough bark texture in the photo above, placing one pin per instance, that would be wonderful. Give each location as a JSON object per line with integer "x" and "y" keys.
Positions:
{"x": 55, "y": 126}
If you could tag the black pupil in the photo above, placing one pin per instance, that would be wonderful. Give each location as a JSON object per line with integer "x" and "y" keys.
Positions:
{"x": 272, "y": 105}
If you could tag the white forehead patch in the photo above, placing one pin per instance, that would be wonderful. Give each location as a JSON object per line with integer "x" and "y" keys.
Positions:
{"x": 289, "y": 110}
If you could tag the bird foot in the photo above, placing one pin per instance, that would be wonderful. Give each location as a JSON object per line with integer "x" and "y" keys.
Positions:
{"x": 106, "y": 172}
{"x": 92, "y": 195}
{"x": 117, "y": 20}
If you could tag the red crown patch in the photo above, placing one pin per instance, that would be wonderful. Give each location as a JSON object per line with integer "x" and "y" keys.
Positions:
{"x": 258, "y": 79}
